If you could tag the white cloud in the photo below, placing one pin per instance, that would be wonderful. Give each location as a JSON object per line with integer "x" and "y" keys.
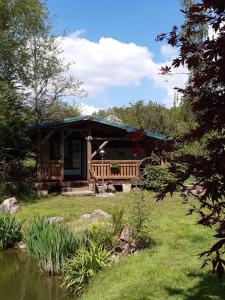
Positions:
{"x": 111, "y": 63}
{"x": 168, "y": 51}
{"x": 87, "y": 109}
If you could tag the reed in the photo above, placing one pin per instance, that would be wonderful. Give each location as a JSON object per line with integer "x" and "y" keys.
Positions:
{"x": 51, "y": 244}
{"x": 10, "y": 231}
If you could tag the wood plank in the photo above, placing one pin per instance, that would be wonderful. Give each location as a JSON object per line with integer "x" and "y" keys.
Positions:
{"x": 38, "y": 155}
{"x": 89, "y": 151}
{"x": 48, "y": 135}
{"x": 62, "y": 155}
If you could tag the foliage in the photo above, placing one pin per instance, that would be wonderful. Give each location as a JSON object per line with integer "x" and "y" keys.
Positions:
{"x": 153, "y": 116}
{"x": 83, "y": 266}
{"x": 158, "y": 177}
{"x": 102, "y": 235}
{"x": 46, "y": 77}
{"x": 10, "y": 231}
{"x": 139, "y": 220}
{"x": 18, "y": 21}
{"x": 205, "y": 93}
{"x": 117, "y": 220}
{"x": 62, "y": 110}
{"x": 114, "y": 164}
{"x": 139, "y": 214}
{"x": 51, "y": 244}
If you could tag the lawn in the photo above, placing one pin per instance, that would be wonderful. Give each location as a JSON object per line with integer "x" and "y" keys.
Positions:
{"x": 170, "y": 270}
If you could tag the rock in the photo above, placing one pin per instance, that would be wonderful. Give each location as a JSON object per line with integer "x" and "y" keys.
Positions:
{"x": 11, "y": 188}
{"x": 54, "y": 220}
{"x": 99, "y": 188}
{"x": 9, "y": 205}
{"x": 41, "y": 192}
{"x": 110, "y": 188}
{"x": 125, "y": 242}
{"x": 194, "y": 189}
{"x": 20, "y": 246}
{"x": 126, "y": 235}
{"x": 97, "y": 215}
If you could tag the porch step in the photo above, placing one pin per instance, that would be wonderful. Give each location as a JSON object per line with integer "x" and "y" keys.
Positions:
{"x": 82, "y": 191}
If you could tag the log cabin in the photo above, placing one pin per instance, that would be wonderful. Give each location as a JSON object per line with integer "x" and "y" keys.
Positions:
{"x": 69, "y": 153}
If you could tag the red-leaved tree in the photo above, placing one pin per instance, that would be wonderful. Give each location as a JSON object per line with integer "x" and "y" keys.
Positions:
{"x": 205, "y": 91}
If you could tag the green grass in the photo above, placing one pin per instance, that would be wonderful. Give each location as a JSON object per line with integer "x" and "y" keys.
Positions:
{"x": 170, "y": 270}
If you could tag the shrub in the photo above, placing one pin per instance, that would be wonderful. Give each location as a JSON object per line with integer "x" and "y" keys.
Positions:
{"x": 138, "y": 221}
{"x": 10, "y": 231}
{"x": 102, "y": 235}
{"x": 84, "y": 265}
{"x": 51, "y": 244}
{"x": 157, "y": 177}
{"x": 138, "y": 215}
{"x": 117, "y": 220}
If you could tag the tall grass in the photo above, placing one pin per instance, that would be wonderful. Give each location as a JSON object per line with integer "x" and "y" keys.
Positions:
{"x": 51, "y": 244}
{"x": 83, "y": 266}
{"x": 10, "y": 231}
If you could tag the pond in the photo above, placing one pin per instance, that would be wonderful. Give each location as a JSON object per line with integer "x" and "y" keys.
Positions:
{"x": 20, "y": 279}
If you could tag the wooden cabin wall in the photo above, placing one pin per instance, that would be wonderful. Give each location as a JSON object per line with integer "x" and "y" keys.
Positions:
{"x": 118, "y": 150}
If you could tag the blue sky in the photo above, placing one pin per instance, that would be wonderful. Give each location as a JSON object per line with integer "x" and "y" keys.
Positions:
{"x": 113, "y": 44}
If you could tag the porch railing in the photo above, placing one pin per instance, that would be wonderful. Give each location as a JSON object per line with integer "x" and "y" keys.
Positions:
{"x": 50, "y": 170}
{"x": 127, "y": 169}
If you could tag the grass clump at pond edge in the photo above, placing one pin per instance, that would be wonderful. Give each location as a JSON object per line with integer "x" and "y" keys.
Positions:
{"x": 83, "y": 266}
{"x": 51, "y": 244}
{"x": 10, "y": 231}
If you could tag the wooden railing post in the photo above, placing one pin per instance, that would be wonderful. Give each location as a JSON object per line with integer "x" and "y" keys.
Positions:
{"x": 38, "y": 155}
{"x": 89, "y": 152}
{"x": 61, "y": 155}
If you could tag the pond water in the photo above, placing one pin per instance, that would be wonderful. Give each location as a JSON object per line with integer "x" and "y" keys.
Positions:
{"x": 20, "y": 279}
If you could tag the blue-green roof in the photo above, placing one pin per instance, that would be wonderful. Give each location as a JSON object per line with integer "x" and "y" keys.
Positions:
{"x": 128, "y": 129}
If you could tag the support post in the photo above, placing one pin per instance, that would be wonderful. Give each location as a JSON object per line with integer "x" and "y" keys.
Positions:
{"x": 38, "y": 155}
{"x": 89, "y": 151}
{"x": 61, "y": 155}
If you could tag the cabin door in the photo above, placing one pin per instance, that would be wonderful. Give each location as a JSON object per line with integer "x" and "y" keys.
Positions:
{"x": 77, "y": 157}
{"x": 73, "y": 154}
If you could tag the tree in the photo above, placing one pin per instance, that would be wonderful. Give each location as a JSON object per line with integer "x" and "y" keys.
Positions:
{"x": 46, "y": 76}
{"x": 154, "y": 117}
{"x": 32, "y": 79}
{"x": 61, "y": 110}
{"x": 205, "y": 93}
{"x": 17, "y": 20}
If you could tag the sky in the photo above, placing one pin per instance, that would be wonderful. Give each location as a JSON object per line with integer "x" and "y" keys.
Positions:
{"x": 112, "y": 43}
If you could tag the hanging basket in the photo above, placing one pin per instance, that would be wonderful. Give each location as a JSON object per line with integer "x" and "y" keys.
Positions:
{"x": 114, "y": 165}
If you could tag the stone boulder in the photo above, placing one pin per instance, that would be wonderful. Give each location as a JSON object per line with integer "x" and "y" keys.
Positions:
{"x": 20, "y": 246}
{"x": 125, "y": 242}
{"x": 110, "y": 188}
{"x": 54, "y": 220}
{"x": 9, "y": 205}
{"x": 126, "y": 235}
{"x": 97, "y": 215}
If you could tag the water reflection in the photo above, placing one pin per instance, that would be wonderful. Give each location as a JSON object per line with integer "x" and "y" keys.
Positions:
{"x": 20, "y": 279}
